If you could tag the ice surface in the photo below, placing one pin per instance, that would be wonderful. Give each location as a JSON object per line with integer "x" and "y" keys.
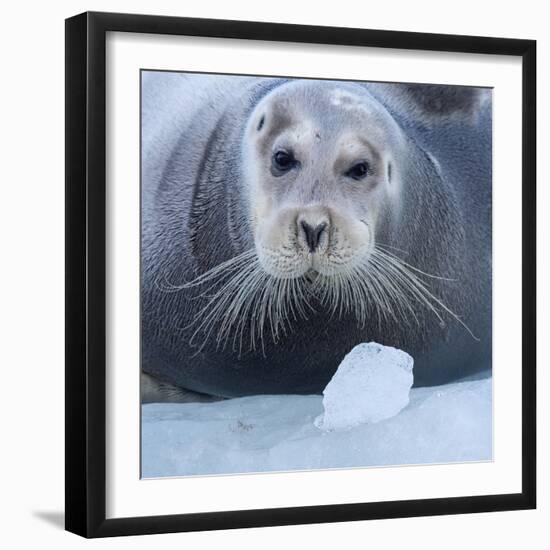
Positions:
{"x": 371, "y": 384}
{"x": 451, "y": 423}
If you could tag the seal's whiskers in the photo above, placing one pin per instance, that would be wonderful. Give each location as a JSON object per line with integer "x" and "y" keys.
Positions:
{"x": 405, "y": 279}
{"x": 241, "y": 297}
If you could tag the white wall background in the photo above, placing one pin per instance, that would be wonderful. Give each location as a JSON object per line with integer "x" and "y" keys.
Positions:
{"x": 32, "y": 271}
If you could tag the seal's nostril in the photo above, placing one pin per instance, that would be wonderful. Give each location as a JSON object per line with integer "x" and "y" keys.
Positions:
{"x": 313, "y": 234}
{"x": 320, "y": 228}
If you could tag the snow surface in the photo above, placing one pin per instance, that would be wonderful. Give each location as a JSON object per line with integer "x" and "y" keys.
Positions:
{"x": 451, "y": 423}
{"x": 371, "y": 384}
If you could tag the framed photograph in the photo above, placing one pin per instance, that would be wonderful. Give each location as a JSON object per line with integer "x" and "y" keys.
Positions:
{"x": 300, "y": 280}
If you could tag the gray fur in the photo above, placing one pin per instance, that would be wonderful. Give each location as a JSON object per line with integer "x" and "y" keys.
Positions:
{"x": 195, "y": 216}
{"x": 154, "y": 390}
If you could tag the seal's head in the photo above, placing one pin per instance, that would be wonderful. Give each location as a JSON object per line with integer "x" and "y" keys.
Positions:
{"x": 328, "y": 183}
{"x": 320, "y": 176}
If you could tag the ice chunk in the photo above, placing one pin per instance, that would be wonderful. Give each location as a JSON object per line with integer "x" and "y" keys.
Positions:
{"x": 371, "y": 384}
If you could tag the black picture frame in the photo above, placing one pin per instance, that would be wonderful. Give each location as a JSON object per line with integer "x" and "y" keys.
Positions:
{"x": 86, "y": 273}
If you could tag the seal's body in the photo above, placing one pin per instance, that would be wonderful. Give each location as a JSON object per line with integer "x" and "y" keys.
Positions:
{"x": 286, "y": 221}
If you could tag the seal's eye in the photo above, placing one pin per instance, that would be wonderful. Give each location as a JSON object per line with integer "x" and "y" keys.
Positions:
{"x": 282, "y": 162}
{"x": 358, "y": 171}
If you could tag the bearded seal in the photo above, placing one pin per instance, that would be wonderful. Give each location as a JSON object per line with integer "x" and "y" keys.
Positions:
{"x": 284, "y": 221}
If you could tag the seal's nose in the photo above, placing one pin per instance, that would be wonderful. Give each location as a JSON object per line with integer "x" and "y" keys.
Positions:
{"x": 313, "y": 234}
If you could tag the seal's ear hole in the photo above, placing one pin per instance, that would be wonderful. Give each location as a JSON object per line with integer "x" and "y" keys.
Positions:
{"x": 389, "y": 171}
{"x": 261, "y": 123}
